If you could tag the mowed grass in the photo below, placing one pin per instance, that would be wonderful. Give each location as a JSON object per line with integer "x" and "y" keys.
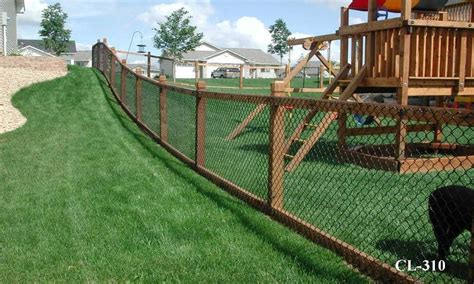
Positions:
{"x": 85, "y": 196}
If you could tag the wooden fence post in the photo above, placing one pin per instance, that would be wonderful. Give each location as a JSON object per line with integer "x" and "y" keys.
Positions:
{"x": 276, "y": 165}
{"x": 321, "y": 76}
{"x": 471, "y": 269}
{"x": 123, "y": 80}
{"x": 163, "y": 110}
{"x": 112, "y": 68}
{"x": 148, "y": 65}
{"x": 200, "y": 147}
{"x": 241, "y": 82}
{"x": 138, "y": 95}
{"x": 196, "y": 72}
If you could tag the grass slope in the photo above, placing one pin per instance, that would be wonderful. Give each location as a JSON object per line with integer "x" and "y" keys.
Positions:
{"x": 85, "y": 196}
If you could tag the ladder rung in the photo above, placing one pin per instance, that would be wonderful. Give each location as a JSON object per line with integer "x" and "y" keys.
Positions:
{"x": 289, "y": 156}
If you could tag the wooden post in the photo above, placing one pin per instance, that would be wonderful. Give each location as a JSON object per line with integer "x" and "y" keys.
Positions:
{"x": 138, "y": 97}
{"x": 344, "y": 39}
{"x": 406, "y": 9}
{"x": 288, "y": 70}
{"x": 163, "y": 110}
{"x": 99, "y": 55}
{"x": 370, "y": 48}
{"x": 112, "y": 68}
{"x": 200, "y": 147}
{"x": 471, "y": 266}
{"x": 402, "y": 93}
{"x": 321, "y": 76}
{"x": 148, "y": 65}
{"x": 276, "y": 166}
{"x": 196, "y": 72}
{"x": 438, "y": 130}
{"x": 342, "y": 117}
{"x": 330, "y": 63}
{"x": 241, "y": 82}
{"x": 471, "y": 254}
{"x": 123, "y": 80}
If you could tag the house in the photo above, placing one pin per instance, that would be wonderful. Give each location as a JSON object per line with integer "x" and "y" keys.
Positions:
{"x": 81, "y": 58}
{"x": 8, "y": 24}
{"x": 154, "y": 69}
{"x": 257, "y": 64}
{"x": 36, "y": 47}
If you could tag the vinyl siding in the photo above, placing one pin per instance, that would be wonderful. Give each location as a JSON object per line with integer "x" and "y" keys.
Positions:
{"x": 9, "y": 7}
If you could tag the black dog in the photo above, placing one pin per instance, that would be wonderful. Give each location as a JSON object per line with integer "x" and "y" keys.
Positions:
{"x": 451, "y": 211}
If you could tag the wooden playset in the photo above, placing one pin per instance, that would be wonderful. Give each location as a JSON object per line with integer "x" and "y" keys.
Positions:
{"x": 428, "y": 52}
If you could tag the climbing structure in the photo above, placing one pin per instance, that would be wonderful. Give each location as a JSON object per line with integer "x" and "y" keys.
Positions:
{"x": 427, "y": 52}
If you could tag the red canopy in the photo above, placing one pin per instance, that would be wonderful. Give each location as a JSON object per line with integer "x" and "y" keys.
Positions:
{"x": 363, "y": 5}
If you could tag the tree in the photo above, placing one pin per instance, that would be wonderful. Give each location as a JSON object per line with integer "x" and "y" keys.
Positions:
{"x": 176, "y": 36}
{"x": 280, "y": 34}
{"x": 55, "y": 35}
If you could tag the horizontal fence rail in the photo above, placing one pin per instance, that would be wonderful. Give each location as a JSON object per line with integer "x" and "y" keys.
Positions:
{"x": 328, "y": 169}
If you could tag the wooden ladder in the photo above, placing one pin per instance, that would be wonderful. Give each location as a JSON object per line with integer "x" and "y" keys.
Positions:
{"x": 323, "y": 125}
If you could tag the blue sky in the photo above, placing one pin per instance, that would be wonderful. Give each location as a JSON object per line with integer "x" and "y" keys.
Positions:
{"x": 225, "y": 23}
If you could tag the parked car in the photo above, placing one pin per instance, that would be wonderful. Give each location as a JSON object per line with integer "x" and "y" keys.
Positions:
{"x": 224, "y": 72}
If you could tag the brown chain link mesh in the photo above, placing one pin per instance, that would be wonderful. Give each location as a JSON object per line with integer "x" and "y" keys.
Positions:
{"x": 361, "y": 179}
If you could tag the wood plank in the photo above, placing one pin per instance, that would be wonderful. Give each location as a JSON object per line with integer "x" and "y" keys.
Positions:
{"x": 163, "y": 109}
{"x": 428, "y": 71}
{"x": 323, "y": 125}
{"x": 350, "y": 89}
{"x": 373, "y": 26}
{"x": 300, "y": 66}
{"x": 326, "y": 63}
{"x": 342, "y": 74}
{"x": 276, "y": 155}
{"x": 360, "y": 54}
{"x": 321, "y": 38}
{"x": 368, "y": 131}
{"x": 200, "y": 123}
{"x": 423, "y": 51}
{"x": 462, "y": 61}
{"x": 258, "y": 109}
{"x": 436, "y": 164}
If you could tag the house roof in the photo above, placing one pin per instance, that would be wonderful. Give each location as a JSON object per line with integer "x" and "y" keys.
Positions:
{"x": 80, "y": 56}
{"x": 39, "y": 44}
{"x": 20, "y": 6}
{"x": 256, "y": 55}
{"x": 252, "y": 55}
{"x": 34, "y": 49}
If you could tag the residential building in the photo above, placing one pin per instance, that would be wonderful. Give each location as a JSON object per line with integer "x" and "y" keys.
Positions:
{"x": 256, "y": 63}
{"x": 8, "y": 25}
{"x": 36, "y": 47}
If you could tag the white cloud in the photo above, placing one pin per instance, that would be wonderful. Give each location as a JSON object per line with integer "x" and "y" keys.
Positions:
{"x": 244, "y": 32}
{"x": 32, "y": 15}
{"x": 200, "y": 10}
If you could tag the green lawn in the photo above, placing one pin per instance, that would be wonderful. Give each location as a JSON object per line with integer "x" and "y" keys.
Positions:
{"x": 85, "y": 196}
{"x": 381, "y": 213}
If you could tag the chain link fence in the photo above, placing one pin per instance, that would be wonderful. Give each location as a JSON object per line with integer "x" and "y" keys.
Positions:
{"x": 387, "y": 187}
